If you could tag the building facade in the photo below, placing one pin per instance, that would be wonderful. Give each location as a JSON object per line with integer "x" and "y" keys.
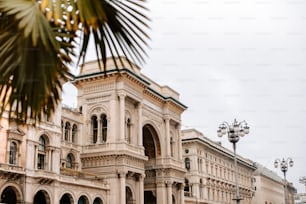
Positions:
{"x": 269, "y": 187}
{"x": 121, "y": 145}
{"x": 210, "y": 170}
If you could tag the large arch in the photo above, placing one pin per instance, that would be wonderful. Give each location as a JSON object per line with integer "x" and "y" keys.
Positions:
{"x": 41, "y": 197}
{"x": 151, "y": 142}
{"x": 97, "y": 200}
{"x": 10, "y": 195}
{"x": 66, "y": 199}
{"x": 83, "y": 200}
{"x": 128, "y": 195}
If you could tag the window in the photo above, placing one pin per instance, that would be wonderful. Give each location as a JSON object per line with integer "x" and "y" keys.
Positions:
{"x": 186, "y": 187}
{"x": 187, "y": 163}
{"x": 94, "y": 124}
{"x": 128, "y": 130}
{"x": 74, "y": 133}
{"x": 70, "y": 161}
{"x": 172, "y": 146}
{"x": 67, "y": 131}
{"x": 104, "y": 127}
{"x": 13, "y": 153}
{"x": 41, "y": 153}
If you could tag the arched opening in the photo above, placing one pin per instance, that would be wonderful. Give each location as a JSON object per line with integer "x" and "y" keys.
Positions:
{"x": 129, "y": 196}
{"x": 104, "y": 127}
{"x": 66, "y": 199}
{"x": 187, "y": 188}
{"x": 70, "y": 161}
{"x": 97, "y": 201}
{"x": 42, "y": 152}
{"x": 10, "y": 196}
{"x": 41, "y": 197}
{"x": 150, "y": 142}
{"x": 94, "y": 127}
{"x": 74, "y": 133}
{"x": 173, "y": 199}
{"x": 83, "y": 200}
{"x": 149, "y": 197}
{"x": 67, "y": 131}
{"x": 13, "y": 153}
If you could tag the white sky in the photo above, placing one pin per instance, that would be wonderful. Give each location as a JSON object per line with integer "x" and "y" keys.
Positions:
{"x": 236, "y": 59}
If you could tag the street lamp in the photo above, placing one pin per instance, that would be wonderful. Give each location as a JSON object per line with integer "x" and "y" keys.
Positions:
{"x": 234, "y": 132}
{"x": 284, "y": 164}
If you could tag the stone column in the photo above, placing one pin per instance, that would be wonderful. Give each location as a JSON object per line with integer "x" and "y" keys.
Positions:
{"x": 35, "y": 156}
{"x": 160, "y": 193}
{"x": 122, "y": 116}
{"x": 122, "y": 187}
{"x": 50, "y": 159}
{"x": 169, "y": 192}
{"x": 140, "y": 124}
{"x": 179, "y": 142}
{"x": 141, "y": 189}
{"x": 182, "y": 194}
{"x": 168, "y": 148}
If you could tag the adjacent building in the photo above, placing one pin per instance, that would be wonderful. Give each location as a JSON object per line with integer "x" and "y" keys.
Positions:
{"x": 210, "y": 171}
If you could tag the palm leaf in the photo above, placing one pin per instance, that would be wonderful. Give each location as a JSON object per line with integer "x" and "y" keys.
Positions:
{"x": 34, "y": 62}
{"x": 37, "y": 40}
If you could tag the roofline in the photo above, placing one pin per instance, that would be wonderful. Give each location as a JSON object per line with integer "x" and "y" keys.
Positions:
{"x": 226, "y": 153}
{"x": 166, "y": 98}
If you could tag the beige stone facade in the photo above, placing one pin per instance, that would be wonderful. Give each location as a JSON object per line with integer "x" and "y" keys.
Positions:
{"x": 210, "y": 171}
{"x": 269, "y": 187}
{"x": 121, "y": 145}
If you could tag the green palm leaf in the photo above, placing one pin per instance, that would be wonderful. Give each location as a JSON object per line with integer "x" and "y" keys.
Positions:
{"x": 38, "y": 38}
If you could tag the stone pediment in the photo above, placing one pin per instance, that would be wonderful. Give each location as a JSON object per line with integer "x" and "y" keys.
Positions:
{"x": 15, "y": 133}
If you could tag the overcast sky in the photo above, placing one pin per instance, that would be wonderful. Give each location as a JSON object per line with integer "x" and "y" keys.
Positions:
{"x": 236, "y": 59}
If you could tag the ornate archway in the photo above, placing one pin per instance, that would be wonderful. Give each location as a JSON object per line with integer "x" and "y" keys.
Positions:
{"x": 66, "y": 199}
{"x": 10, "y": 195}
{"x": 41, "y": 197}
{"x": 151, "y": 142}
{"x": 129, "y": 195}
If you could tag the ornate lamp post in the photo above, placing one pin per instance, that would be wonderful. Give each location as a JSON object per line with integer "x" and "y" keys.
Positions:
{"x": 284, "y": 164}
{"x": 234, "y": 132}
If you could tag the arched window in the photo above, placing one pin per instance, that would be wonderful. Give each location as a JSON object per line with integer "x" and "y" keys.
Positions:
{"x": 41, "y": 157}
{"x": 83, "y": 200}
{"x": 94, "y": 125}
{"x": 70, "y": 161}
{"x": 13, "y": 153}
{"x": 74, "y": 133}
{"x": 128, "y": 130}
{"x": 104, "y": 127}
{"x": 187, "y": 163}
{"x": 67, "y": 131}
{"x": 97, "y": 201}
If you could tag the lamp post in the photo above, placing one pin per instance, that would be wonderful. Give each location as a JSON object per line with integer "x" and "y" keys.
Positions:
{"x": 234, "y": 131}
{"x": 284, "y": 164}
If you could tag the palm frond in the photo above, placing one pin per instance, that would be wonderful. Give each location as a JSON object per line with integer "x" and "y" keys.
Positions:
{"x": 34, "y": 59}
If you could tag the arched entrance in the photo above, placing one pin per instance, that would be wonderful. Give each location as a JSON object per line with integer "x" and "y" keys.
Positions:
{"x": 129, "y": 196}
{"x": 152, "y": 149}
{"x": 41, "y": 197}
{"x": 10, "y": 195}
{"x": 150, "y": 142}
{"x": 83, "y": 200}
{"x": 149, "y": 198}
{"x": 66, "y": 199}
{"x": 97, "y": 201}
